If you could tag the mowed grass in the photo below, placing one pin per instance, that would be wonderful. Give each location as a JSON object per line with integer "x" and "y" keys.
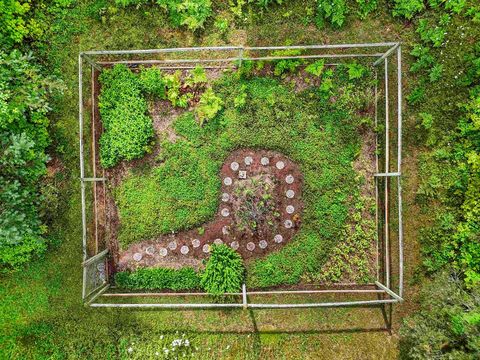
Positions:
{"x": 41, "y": 314}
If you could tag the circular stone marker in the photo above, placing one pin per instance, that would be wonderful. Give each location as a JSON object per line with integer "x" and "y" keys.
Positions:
{"x": 234, "y": 166}
{"x": 172, "y": 245}
{"x": 262, "y": 244}
{"x": 225, "y": 197}
{"x": 218, "y": 241}
{"x": 225, "y": 212}
{"x": 289, "y": 179}
{"x": 234, "y": 245}
{"x": 288, "y": 224}
{"x": 278, "y": 238}
{"x": 206, "y": 248}
{"x": 150, "y": 250}
{"x": 163, "y": 252}
{"x": 227, "y": 181}
{"x": 137, "y": 256}
{"x": 264, "y": 161}
{"x": 290, "y": 194}
{"x": 248, "y": 160}
{"x": 280, "y": 165}
{"x": 184, "y": 249}
{"x": 195, "y": 243}
{"x": 251, "y": 246}
{"x": 290, "y": 209}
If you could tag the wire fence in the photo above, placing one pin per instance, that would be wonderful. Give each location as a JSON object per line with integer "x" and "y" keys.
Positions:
{"x": 387, "y": 288}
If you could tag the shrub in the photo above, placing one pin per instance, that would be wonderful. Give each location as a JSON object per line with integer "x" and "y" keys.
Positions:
{"x": 333, "y": 11}
{"x": 128, "y": 131}
{"x": 408, "y": 8}
{"x": 447, "y": 325}
{"x": 365, "y": 7}
{"x": 224, "y": 272}
{"x": 208, "y": 106}
{"x": 158, "y": 279}
{"x": 152, "y": 82}
{"x": 316, "y": 68}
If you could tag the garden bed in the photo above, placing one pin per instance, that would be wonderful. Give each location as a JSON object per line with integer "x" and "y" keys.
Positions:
{"x": 292, "y": 144}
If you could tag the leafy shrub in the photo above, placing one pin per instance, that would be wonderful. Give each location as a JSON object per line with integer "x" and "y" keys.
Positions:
{"x": 158, "y": 279}
{"x": 128, "y": 131}
{"x": 365, "y": 7}
{"x": 283, "y": 66}
{"x": 447, "y": 325}
{"x": 208, "y": 106}
{"x": 316, "y": 68}
{"x": 174, "y": 95}
{"x": 431, "y": 34}
{"x": 333, "y": 11}
{"x": 224, "y": 271}
{"x": 408, "y": 8}
{"x": 152, "y": 82}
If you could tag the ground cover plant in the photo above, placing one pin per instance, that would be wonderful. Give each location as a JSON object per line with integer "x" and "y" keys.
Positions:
{"x": 41, "y": 314}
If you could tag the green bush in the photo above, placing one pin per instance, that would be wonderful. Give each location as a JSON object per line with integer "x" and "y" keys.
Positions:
{"x": 152, "y": 82}
{"x": 158, "y": 279}
{"x": 408, "y": 8}
{"x": 208, "y": 106}
{"x": 224, "y": 272}
{"x": 333, "y": 11}
{"x": 128, "y": 131}
{"x": 447, "y": 325}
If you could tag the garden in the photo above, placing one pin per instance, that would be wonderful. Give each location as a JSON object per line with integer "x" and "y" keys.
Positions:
{"x": 217, "y": 176}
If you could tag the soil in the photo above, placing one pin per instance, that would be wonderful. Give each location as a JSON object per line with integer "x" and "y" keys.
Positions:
{"x": 266, "y": 186}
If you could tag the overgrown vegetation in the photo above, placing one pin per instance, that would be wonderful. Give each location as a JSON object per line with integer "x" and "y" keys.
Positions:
{"x": 158, "y": 279}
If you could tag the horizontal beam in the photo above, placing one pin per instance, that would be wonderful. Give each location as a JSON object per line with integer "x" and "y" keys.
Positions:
{"x": 93, "y": 179}
{"x": 389, "y": 174}
{"x": 389, "y": 292}
{"x": 236, "y": 48}
{"x": 250, "y": 305}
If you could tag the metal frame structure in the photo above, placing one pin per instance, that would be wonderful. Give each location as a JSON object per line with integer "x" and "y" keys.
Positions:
{"x": 387, "y": 64}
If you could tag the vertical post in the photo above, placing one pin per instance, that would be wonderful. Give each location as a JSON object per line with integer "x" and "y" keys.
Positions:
{"x": 399, "y": 165}
{"x": 244, "y": 296}
{"x": 375, "y": 179}
{"x": 94, "y": 167}
{"x": 387, "y": 169}
{"x": 82, "y": 169}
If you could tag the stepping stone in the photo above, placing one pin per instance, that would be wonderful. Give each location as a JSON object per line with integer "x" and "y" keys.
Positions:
{"x": 248, "y": 160}
{"x": 195, "y": 243}
{"x": 227, "y": 181}
{"x": 278, "y": 238}
{"x": 251, "y": 246}
{"x": 234, "y": 166}
{"x": 150, "y": 250}
{"x": 225, "y": 197}
{"x": 137, "y": 257}
{"x": 206, "y": 248}
{"x": 289, "y": 179}
{"x": 280, "y": 165}
{"x": 162, "y": 252}
{"x": 290, "y": 194}
{"x": 288, "y": 224}
{"x": 290, "y": 209}
{"x": 225, "y": 212}
{"x": 184, "y": 249}
{"x": 264, "y": 161}
{"x": 172, "y": 245}
{"x": 262, "y": 244}
{"x": 225, "y": 230}
{"x": 234, "y": 245}
{"x": 242, "y": 174}
{"x": 218, "y": 242}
